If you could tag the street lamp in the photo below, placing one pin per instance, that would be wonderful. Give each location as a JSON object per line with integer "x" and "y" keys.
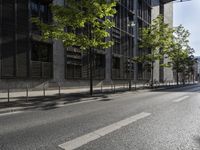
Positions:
{"x": 130, "y": 24}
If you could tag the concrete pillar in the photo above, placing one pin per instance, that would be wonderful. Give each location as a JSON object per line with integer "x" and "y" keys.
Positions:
{"x": 168, "y": 18}
{"x": 108, "y": 65}
{"x": 108, "y": 61}
{"x": 58, "y": 61}
{"x": 154, "y": 13}
{"x": 58, "y": 55}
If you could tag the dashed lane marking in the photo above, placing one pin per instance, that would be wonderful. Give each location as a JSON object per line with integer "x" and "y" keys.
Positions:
{"x": 82, "y": 140}
{"x": 10, "y": 113}
{"x": 181, "y": 99}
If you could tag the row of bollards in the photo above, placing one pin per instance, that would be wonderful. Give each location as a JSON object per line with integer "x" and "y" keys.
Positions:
{"x": 27, "y": 93}
{"x": 113, "y": 87}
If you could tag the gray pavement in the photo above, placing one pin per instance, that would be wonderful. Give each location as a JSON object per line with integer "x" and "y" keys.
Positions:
{"x": 173, "y": 123}
{"x": 12, "y": 100}
{"x": 20, "y": 94}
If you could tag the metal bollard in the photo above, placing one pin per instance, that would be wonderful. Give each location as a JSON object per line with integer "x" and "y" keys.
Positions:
{"x": 44, "y": 91}
{"x": 8, "y": 95}
{"x": 135, "y": 86}
{"x": 59, "y": 93}
{"x": 27, "y": 93}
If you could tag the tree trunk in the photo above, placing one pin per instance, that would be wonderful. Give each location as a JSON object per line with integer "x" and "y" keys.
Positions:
{"x": 183, "y": 76}
{"x": 91, "y": 72}
{"x": 193, "y": 78}
{"x": 91, "y": 62}
{"x": 152, "y": 74}
{"x": 177, "y": 78}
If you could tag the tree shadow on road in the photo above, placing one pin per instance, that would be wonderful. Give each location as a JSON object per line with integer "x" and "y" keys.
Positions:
{"x": 197, "y": 141}
{"x": 56, "y": 101}
{"x": 180, "y": 88}
{"x": 51, "y": 102}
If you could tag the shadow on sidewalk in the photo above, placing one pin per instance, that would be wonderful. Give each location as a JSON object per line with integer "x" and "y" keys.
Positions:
{"x": 179, "y": 88}
{"x": 197, "y": 140}
{"x": 56, "y": 101}
{"x": 51, "y": 102}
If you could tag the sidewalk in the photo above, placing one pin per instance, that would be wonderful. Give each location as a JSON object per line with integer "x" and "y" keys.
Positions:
{"x": 51, "y": 99}
{"x": 15, "y": 96}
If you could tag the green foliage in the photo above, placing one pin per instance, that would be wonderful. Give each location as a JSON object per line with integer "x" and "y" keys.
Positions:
{"x": 181, "y": 54}
{"x": 83, "y": 23}
{"x": 157, "y": 36}
{"x": 164, "y": 41}
{"x": 180, "y": 49}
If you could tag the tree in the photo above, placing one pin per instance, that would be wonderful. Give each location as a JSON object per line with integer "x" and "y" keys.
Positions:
{"x": 180, "y": 52}
{"x": 84, "y": 24}
{"x": 156, "y": 37}
{"x": 190, "y": 62}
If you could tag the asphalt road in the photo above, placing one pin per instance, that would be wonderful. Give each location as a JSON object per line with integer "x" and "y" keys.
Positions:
{"x": 159, "y": 120}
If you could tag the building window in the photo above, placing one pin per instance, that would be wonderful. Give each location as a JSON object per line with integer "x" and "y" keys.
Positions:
{"x": 100, "y": 61}
{"x": 41, "y": 52}
{"x": 73, "y": 63}
{"x": 115, "y": 68}
{"x": 42, "y": 10}
{"x": 41, "y": 60}
{"x": 73, "y": 71}
{"x": 99, "y": 70}
{"x": 116, "y": 63}
{"x": 14, "y": 46}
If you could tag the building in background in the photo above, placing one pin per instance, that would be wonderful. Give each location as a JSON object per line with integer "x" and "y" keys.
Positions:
{"x": 26, "y": 60}
{"x": 197, "y": 69}
{"x": 165, "y": 8}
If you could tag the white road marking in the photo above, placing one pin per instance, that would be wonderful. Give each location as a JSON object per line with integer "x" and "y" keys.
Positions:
{"x": 181, "y": 99}
{"x": 10, "y": 113}
{"x": 82, "y": 140}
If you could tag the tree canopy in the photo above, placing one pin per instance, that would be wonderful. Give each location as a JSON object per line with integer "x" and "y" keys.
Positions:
{"x": 180, "y": 53}
{"x": 155, "y": 37}
{"x": 164, "y": 41}
{"x": 83, "y": 23}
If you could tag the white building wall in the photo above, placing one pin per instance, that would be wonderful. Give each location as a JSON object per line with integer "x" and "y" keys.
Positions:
{"x": 168, "y": 18}
{"x": 155, "y": 13}
{"x": 58, "y": 56}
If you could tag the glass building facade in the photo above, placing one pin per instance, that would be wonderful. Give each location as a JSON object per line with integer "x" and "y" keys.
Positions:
{"x": 24, "y": 55}
{"x": 21, "y": 55}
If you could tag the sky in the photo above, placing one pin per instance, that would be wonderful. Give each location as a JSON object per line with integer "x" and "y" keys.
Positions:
{"x": 188, "y": 14}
